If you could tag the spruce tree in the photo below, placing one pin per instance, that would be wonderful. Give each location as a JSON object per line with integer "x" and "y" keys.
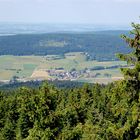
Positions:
{"x": 132, "y": 84}
{"x": 132, "y": 74}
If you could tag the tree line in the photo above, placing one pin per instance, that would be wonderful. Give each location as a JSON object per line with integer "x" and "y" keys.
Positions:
{"x": 99, "y": 45}
{"x": 89, "y": 112}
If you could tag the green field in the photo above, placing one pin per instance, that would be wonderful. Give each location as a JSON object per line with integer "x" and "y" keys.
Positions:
{"x": 23, "y": 66}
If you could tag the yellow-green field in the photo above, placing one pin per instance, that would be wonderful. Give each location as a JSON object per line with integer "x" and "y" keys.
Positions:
{"x": 24, "y": 66}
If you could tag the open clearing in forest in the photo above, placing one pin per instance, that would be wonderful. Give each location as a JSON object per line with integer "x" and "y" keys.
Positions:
{"x": 34, "y": 67}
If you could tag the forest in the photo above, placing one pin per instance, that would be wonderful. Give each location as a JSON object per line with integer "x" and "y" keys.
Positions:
{"x": 88, "y": 112}
{"x": 13, "y": 85}
{"x": 101, "y": 45}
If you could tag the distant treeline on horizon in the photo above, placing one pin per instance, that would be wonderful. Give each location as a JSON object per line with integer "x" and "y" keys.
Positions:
{"x": 101, "y": 45}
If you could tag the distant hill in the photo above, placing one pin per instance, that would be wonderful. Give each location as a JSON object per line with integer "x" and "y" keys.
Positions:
{"x": 38, "y": 28}
{"x": 102, "y": 45}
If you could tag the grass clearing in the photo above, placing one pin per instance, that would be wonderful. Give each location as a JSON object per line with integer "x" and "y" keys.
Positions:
{"x": 25, "y": 66}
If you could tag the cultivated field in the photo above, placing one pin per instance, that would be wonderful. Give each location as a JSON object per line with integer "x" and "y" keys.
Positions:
{"x": 34, "y": 67}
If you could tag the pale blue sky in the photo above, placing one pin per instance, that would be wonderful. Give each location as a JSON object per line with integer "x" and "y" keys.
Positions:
{"x": 116, "y": 12}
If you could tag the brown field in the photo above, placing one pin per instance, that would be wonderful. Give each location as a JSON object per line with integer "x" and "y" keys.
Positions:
{"x": 39, "y": 74}
{"x": 34, "y": 67}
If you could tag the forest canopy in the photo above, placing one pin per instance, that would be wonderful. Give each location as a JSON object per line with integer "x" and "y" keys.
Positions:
{"x": 90, "y": 112}
{"x": 99, "y": 45}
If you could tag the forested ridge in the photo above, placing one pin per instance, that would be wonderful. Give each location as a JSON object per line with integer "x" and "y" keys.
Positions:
{"x": 89, "y": 112}
{"x": 99, "y": 45}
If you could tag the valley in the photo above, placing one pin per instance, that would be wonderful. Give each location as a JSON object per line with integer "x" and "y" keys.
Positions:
{"x": 76, "y": 56}
{"x": 72, "y": 66}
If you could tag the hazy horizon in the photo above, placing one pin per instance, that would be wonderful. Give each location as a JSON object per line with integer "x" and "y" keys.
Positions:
{"x": 25, "y": 28}
{"x": 97, "y": 12}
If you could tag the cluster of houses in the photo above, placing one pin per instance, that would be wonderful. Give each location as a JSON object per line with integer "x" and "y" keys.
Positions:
{"x": 62, "y": 74}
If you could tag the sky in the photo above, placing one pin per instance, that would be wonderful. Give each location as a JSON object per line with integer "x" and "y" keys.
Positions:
{"x": 102, "y": 12}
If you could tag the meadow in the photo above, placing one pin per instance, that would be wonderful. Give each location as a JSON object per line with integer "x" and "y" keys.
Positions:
{"x": 24, "y": 67}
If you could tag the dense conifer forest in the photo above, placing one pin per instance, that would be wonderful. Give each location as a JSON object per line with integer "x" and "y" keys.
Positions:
{"x": 89, "y": 112}
{"x": 36, "y": 84}
{"x": 100, "y": 45}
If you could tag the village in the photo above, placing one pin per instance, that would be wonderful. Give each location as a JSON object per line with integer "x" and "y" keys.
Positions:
{"x": 73, "y": 74}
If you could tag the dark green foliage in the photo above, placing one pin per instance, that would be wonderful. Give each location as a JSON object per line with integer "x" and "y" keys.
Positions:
{"x": 100, "y": 45}
{"x": 132, "y": 75}
{"x": 134, "y": 43}
{"x": 35, "y": 84}
{"x": 89, "y": 112}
